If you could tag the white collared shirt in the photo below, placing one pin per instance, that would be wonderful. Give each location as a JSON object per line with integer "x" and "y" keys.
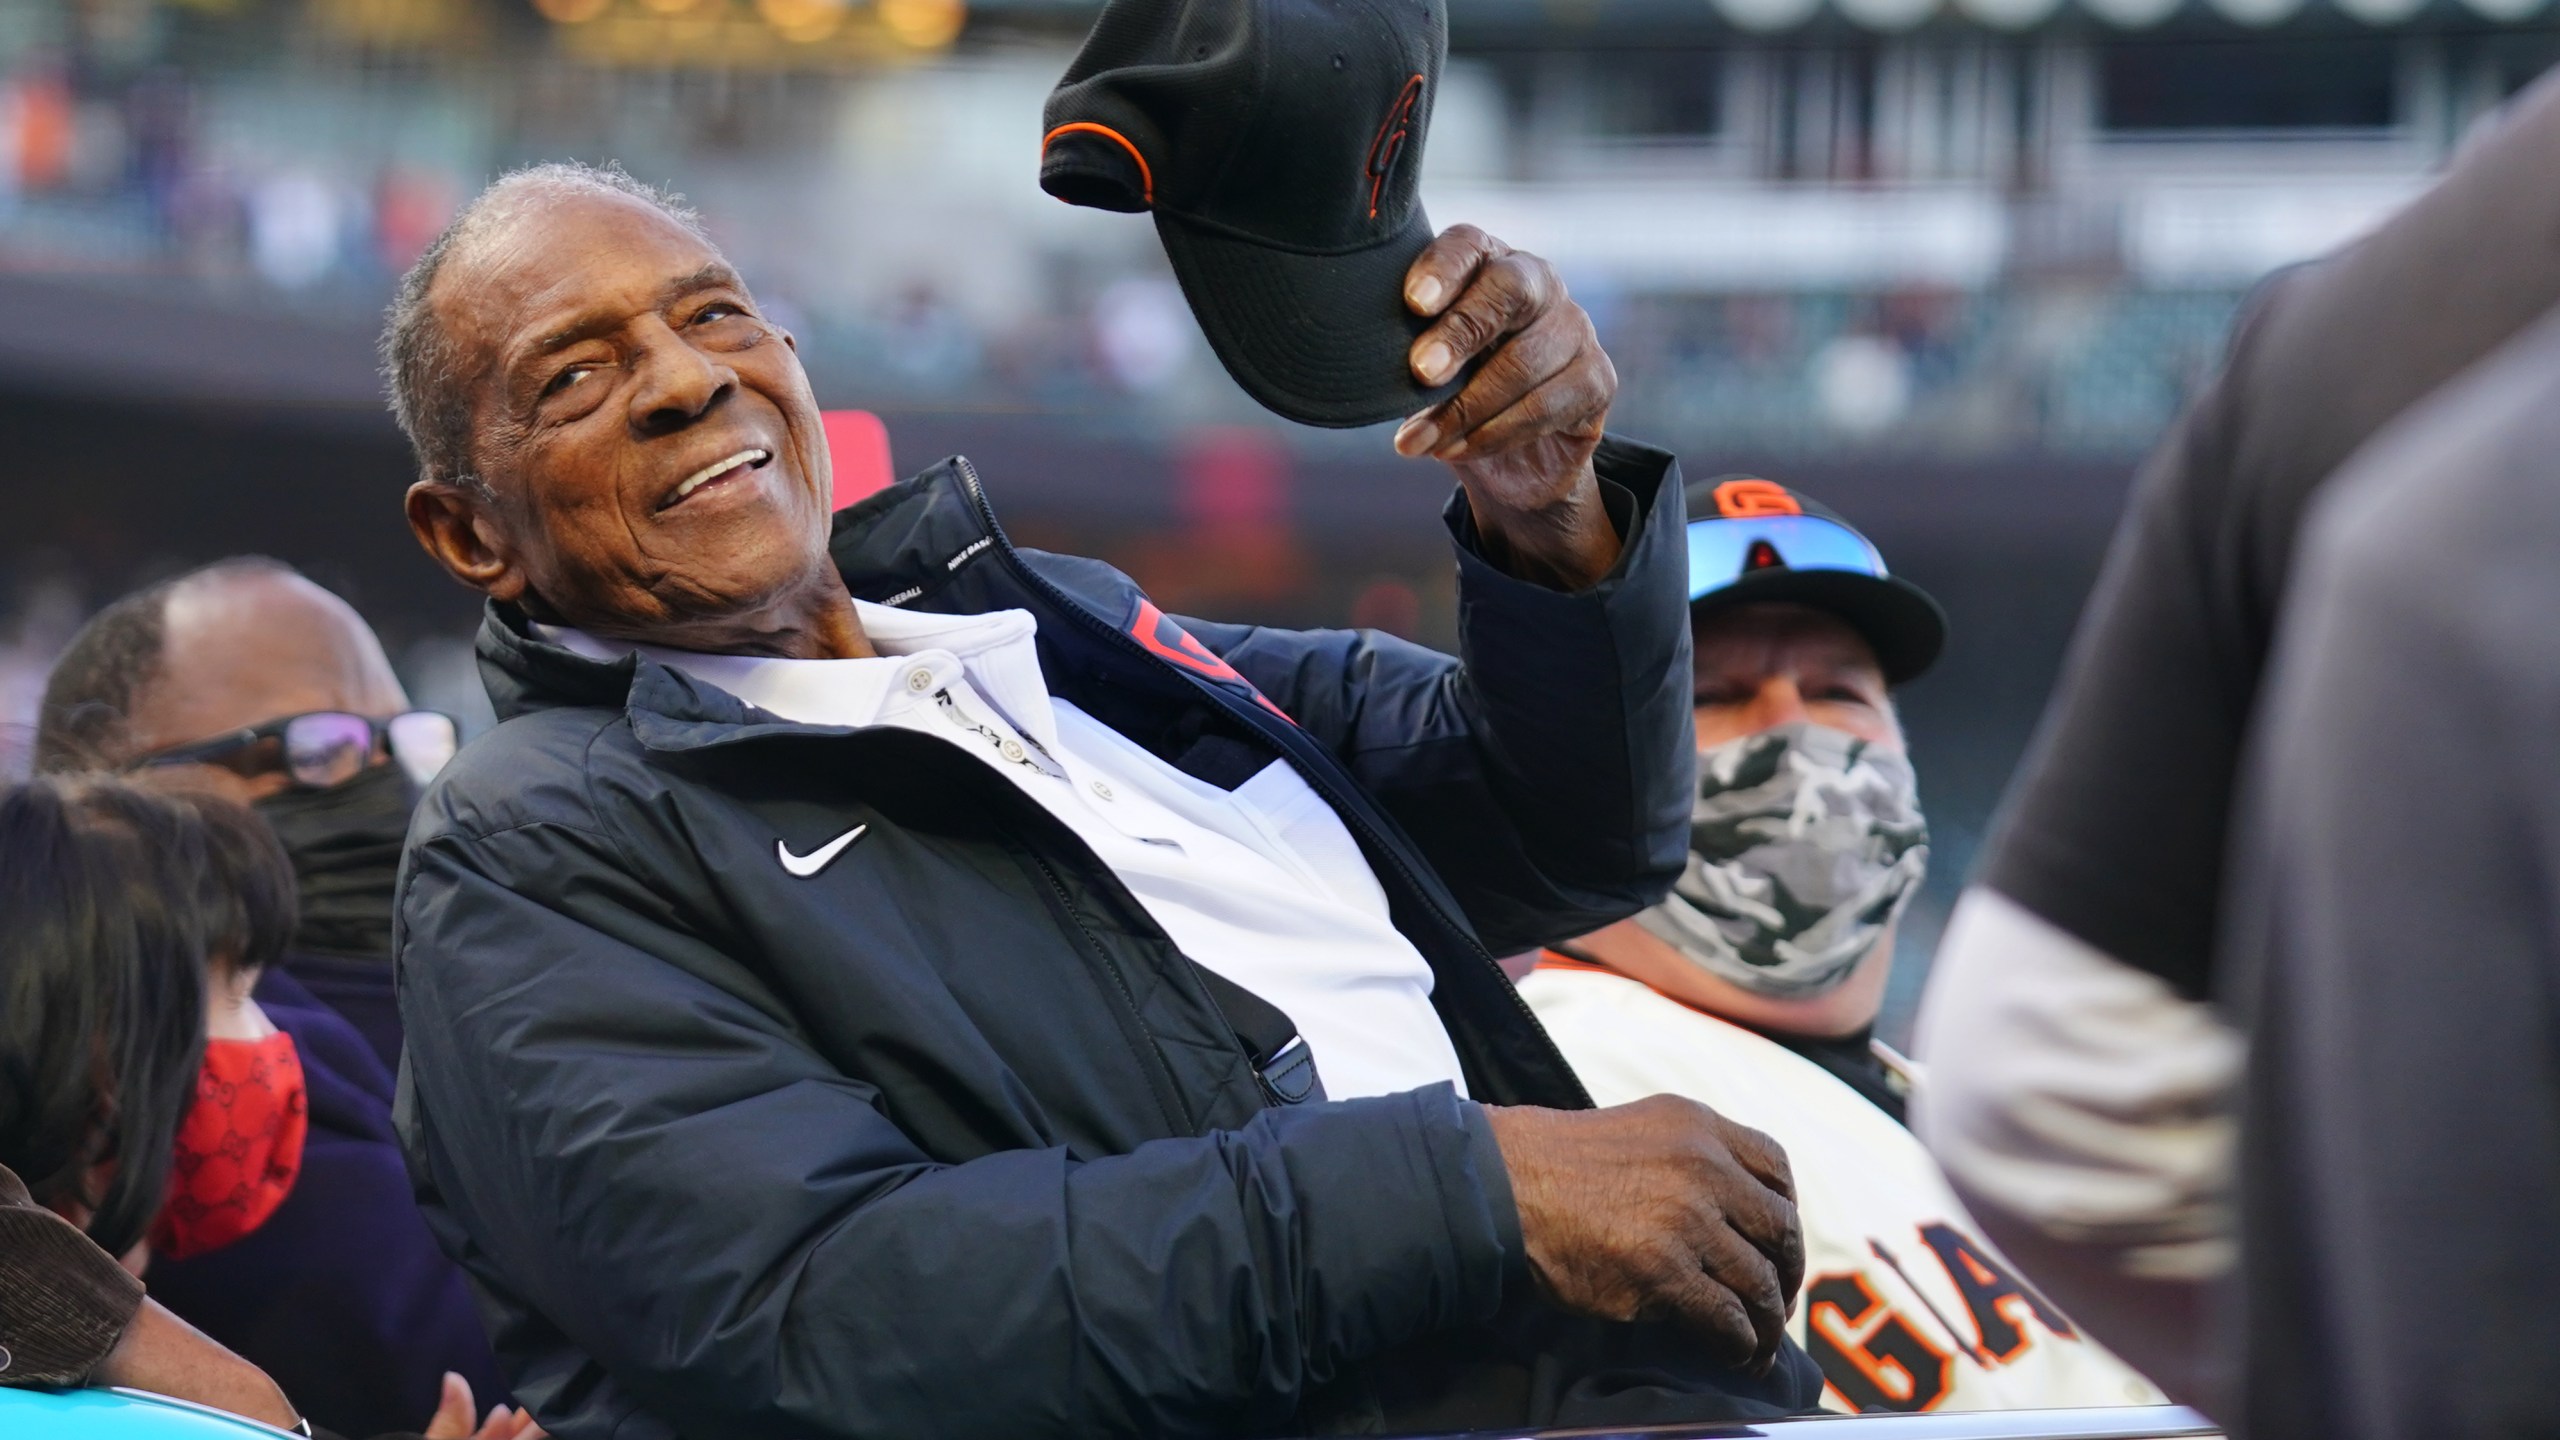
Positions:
{"x": 1262, "y": 884}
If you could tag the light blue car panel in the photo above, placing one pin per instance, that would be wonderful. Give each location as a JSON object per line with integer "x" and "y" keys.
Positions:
{"x": 117, "y": 1415}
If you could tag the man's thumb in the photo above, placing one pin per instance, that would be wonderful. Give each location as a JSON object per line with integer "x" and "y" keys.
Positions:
{"x": 454, "y": 1415}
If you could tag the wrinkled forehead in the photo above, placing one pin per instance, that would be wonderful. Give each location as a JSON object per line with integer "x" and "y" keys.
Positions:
{"x": 555, "y": 260}
{"x": 1769, "y": 639}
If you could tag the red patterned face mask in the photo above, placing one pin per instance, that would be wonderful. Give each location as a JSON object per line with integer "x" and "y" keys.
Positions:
{"x": 239, "y": 1149}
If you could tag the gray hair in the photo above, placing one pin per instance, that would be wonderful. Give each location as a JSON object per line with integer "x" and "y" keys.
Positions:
{"x": 430, "y": 394}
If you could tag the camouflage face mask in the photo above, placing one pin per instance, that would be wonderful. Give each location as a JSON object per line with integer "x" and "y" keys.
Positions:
{"x": 1804, "y": 845}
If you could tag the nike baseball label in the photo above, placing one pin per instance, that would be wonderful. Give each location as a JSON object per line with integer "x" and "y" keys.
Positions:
{"x": 816, "y": 860}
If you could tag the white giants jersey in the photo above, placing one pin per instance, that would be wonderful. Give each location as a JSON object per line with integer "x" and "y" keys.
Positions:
{"x": 1905, "y": 1306}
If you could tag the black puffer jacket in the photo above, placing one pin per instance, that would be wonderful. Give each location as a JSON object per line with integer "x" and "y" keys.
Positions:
{"x": 948, "y": 1139}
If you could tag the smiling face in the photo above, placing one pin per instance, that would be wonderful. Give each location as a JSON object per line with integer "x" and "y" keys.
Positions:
{"x": 655, "y": 463}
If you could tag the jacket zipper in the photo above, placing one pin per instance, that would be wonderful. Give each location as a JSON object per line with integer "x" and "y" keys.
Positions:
{"x": 1376, "y": 842}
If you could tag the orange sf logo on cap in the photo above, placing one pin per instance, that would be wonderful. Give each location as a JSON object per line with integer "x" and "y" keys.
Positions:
{"x": 1390, "y": 142}
{"x": 1749, "y": 499}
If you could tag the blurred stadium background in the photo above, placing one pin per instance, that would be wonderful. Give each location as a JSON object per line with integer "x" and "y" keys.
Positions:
{"x": 1949, "y": 264}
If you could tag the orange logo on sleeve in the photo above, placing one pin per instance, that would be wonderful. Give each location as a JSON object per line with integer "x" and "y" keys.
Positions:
{"x": 1749, "y": 499}
{"x": 1164, "y": 639}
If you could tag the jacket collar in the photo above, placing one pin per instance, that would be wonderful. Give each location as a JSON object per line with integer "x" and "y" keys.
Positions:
{"x": 897, "y": 547}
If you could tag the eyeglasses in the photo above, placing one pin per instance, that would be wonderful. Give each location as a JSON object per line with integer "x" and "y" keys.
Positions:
{"x": 322, "y": 748}
{"x": 1722, "y": 551}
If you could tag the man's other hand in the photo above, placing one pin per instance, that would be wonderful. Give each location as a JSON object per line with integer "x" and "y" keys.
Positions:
{"x": 1522, "y": 432}
{"x": 1659, "y": 1210}
{"x": 456, "y": 1411}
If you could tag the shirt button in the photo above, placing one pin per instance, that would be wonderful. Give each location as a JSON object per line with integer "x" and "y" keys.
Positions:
{"x": 1011, "y": 750}
{"x": 1101, "y": 789}
{"x": 919, "y": 680}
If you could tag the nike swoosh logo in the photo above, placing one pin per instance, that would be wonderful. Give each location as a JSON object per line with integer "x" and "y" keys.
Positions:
{"x": 816, "y": 860}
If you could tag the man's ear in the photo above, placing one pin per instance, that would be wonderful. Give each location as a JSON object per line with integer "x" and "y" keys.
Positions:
{"x": 457, "y": 527}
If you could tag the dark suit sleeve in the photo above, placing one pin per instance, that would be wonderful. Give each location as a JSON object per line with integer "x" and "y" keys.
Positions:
{"x": 2114, "y": 826}
{"x": 733, "y": 1229}
{"x": 1547, "y": 770}
{"x": 2394, "y": 948}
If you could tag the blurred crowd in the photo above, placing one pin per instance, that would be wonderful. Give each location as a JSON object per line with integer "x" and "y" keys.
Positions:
{"x": 114, "y": 164}
{"x": 109, "y": 170}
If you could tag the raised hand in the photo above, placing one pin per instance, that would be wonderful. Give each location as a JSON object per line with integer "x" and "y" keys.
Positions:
{"x": 1522, "y": 432}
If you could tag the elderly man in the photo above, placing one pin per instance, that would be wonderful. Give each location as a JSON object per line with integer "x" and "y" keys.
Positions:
{"x": 1754, "y": 986}
{"x": 899, "y": 984}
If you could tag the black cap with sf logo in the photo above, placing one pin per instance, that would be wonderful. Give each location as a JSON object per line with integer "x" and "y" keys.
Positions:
{"x": 1279, "y": 144}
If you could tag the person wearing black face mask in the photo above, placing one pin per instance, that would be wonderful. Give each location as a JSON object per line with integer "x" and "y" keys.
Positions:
{"x": 345, "y": 843}
{"x": 254, "y": 684}
{"x": 246, "y": 681}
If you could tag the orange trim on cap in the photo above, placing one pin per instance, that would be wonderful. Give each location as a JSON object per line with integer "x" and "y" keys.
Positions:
{"x": 1146, "y": 176}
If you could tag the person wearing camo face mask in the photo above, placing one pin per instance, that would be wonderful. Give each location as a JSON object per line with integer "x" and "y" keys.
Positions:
{"x": 1805, "y": 844}
{"x": 1754, "y": 986}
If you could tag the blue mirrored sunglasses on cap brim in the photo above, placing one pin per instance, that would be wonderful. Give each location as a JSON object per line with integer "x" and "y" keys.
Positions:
{"x": 1722, "y": 550}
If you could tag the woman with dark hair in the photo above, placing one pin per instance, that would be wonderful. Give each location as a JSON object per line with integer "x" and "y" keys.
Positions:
{"x": 101, "y": 1037}
{"x": 131, "y": 924}
{"x": 101, "y": 997}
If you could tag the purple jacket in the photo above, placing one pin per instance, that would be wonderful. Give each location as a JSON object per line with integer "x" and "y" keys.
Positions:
{"x": 341, "y": 1296}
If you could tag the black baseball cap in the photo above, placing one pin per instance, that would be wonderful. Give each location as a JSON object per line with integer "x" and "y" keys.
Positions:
{"x": 1753, "y": 541}
{"x": 1278, "y": 144}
